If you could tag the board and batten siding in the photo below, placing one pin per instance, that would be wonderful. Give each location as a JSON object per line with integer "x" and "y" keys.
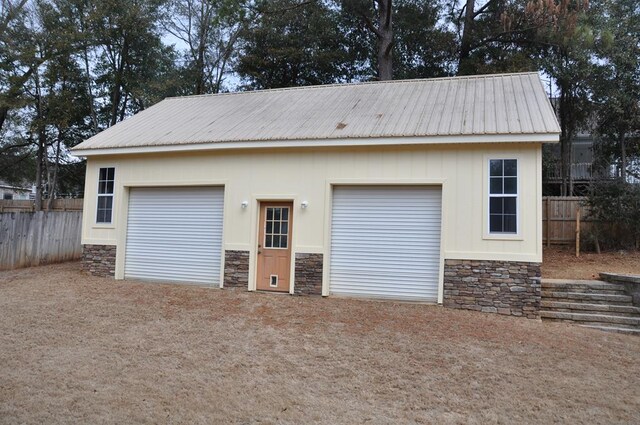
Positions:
{"x": 309, "y": 174}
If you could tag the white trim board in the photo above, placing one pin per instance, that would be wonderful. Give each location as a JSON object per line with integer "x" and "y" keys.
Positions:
{"x": 382, "y": 141}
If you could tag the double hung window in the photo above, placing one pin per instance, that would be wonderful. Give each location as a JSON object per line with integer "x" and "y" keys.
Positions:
{"x": 106, "y": 181}
{"x": 503, "y": 196}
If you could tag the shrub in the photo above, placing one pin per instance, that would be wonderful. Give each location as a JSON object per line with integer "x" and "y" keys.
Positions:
{"x": 615, "y": 207}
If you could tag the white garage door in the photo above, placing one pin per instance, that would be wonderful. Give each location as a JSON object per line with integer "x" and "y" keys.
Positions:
{"x": 174, "y": 234}
{"x": 385, "y": 242}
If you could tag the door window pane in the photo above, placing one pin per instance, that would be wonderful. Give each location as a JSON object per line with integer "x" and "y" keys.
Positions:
{"x": 276, "y": 227}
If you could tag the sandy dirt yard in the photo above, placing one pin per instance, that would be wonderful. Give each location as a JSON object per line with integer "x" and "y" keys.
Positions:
{"x": 561, "y": 263}
{"x": 79, "y": 349}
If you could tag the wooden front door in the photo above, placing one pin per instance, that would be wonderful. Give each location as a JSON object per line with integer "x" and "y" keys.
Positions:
{"x": 274, "y": 246}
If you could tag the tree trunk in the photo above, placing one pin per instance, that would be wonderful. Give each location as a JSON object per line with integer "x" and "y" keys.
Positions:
{"x": 116, "y": 93}
{"x": 384, "y": 37}
{"x": 567, "y": 131}
{"x": 623, "y": 159}
{"x": 4, "y": 111}
{"x": 385, "y": 40}
{"x": 53, "y": 182}
{"x": 564, "y": 142}
{"x": 92, "y": 109}
{"x": 41, "y": 141}
{"x": 202, "y": 46}
{"x": 40, "y": 158}
{"x": 467, "y": 38}
{"x": 123, "y": 110}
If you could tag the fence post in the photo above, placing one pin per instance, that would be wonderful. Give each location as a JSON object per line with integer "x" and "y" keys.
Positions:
{"x": 548, "y": 223}
{"x": 578, "y": 230}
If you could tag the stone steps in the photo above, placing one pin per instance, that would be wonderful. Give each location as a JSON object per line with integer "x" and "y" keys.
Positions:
{"x": 590, "y": 303}
{"x": 591, "y": 318}
{"x": 616, "y": 329}
{"x": 592, "y": 297}
{"x": 587, "y": 286}
{"x": 623, "y": 310}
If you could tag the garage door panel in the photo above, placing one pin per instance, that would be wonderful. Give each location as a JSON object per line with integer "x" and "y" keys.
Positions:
{"x": 175, "y": 234}
{"x": 385, "y": 242}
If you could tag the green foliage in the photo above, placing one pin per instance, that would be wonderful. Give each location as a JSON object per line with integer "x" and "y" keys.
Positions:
{"x": 423, "y": 47}
{"x": 615, "y": 207}
{"x": 131, "y": 58}
{"x": 293, "y": 44}
{"x": 71, "y": 68}
{"x": 616, "y": 85}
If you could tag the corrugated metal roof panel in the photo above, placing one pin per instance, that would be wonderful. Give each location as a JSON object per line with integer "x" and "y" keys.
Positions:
{"x": 457, "y": 106}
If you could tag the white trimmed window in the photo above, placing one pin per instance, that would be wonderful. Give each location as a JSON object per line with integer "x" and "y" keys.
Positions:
{"x": 106, "y": 180}
{"x": 503, "y": 196}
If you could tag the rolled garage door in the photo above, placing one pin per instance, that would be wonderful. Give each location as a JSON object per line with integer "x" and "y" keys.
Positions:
{"x": 174, "y": 234}
{"x": 385, "y": 242}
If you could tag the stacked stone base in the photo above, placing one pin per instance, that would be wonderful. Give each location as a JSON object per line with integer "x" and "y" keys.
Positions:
{"x": 99, "y": 260}
{"x": 308, "y": 273}
{"x": 503, "y": 287}
{"x": 236, "y": 269}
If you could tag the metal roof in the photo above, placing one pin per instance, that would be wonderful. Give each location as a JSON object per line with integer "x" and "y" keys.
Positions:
{"x": 505, "y": 104}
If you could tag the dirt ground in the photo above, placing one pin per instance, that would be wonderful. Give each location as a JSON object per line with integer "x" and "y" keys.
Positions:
{"x": 75, "y": 348}
{"x": 561, "y": 263}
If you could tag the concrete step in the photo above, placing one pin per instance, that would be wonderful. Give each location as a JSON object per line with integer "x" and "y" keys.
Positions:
{"x": 563, "y": 285}
{"x": 587, "y": 318}
{"x": 594, "y": 298}
{"x": 623, "y": 310}
{"x": 616, "y": 329}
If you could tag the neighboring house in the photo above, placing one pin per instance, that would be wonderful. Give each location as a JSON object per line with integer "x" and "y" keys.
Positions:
{"x": 583, "y": 171}
{"x": 423, "y": 190}
{"x": 10, "y": 192}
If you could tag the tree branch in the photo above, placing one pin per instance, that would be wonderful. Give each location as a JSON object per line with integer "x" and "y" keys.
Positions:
{"x": 370, "y": 26}
{"x": 483, "y": 8}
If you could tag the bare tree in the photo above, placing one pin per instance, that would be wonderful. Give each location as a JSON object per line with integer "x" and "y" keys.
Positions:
{"x": 210, "y": 32}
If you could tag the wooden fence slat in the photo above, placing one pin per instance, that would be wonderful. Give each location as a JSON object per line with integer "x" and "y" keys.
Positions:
{"x": 559, "y": 219}
{"x": 62, "y": 204}
{"x": 33, "y": 238}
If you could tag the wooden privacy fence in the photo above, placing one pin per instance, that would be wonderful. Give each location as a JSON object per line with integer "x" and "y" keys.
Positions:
{"x": 559, "y": 219}
{"x": 34, "y": 238}
{"x": 62, "y": 204}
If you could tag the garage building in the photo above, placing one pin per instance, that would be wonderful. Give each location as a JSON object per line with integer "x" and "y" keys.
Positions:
{"x": 420, "y": 190}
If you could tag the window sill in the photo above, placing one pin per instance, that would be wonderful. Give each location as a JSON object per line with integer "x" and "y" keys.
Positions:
{"x": 499, "y": 237}
{"x": 103, "y": 226}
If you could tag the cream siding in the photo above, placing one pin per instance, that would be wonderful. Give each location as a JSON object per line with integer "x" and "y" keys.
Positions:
{"x": 307, "y": 174}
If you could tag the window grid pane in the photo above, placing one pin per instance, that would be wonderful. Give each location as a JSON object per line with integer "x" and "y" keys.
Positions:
{"x": 503, "y": 192}
{"x": 106, "y": 187}
{"x": 276, "y": 227}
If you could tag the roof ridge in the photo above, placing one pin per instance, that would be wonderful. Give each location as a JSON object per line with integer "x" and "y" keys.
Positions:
{"x": 355, "y": 83}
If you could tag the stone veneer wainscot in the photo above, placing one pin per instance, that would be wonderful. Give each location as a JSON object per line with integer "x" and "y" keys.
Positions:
{"x": 503, "y": 287}
{"x": 236, "y": 269}
{"x": 99, "y": 260}
{"x": 308, "y": 274}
